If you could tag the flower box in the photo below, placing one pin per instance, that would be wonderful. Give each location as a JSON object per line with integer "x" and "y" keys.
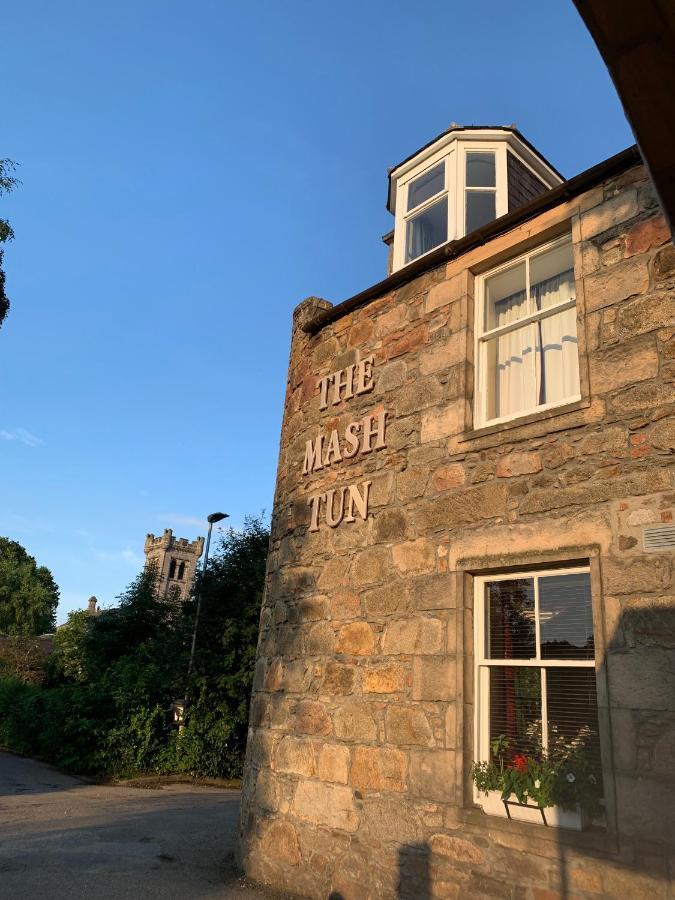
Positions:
{"x": 554, "y": 816}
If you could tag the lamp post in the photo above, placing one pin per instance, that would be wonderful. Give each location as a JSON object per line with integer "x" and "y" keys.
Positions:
{"x": 212, "y": 519}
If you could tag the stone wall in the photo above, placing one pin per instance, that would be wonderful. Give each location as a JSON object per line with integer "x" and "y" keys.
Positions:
{"x": 361, "y": 727}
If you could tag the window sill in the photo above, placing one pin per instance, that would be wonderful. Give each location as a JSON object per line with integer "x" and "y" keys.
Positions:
{"x": 541, "y": 416}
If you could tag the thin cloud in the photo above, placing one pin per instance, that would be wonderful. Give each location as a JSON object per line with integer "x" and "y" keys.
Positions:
{"x": 127, "y": 555}
{"x": 179, "y": 519}
{"x": 22, "y": 436}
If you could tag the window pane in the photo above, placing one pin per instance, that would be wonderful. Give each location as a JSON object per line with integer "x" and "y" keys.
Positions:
{"x": 511, "y": 384}
{"x": 505, "y": 297}
{"x": 566, "y": 617}
{"x": 480, "y": 170}
{"x": 573, "y": 716}
{"x": 510, "y": 616}
{"x": 427, "y": 230}
{"x": 480, "y": 209}
{"x": 557, "y": 357}
{"x": 515, "y": 707}
{"x": 552, "y": 277}
{"x": 420, "y": 189}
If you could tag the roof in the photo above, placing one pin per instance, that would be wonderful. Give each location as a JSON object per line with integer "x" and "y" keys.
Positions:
{"x": 511, "y": 129}
{"x": 581, "y": 183}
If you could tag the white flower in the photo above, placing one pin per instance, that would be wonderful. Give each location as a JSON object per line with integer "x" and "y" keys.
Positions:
{"x": 537, "y": 784}
{"x": 570, "y": 777}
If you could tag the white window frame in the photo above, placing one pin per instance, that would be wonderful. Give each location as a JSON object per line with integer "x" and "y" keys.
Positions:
{"x": 447, "y": 157}
{"x": 501, "y": 188}
{"x": 482, "y": 664}
{"x": 482, "y": 337}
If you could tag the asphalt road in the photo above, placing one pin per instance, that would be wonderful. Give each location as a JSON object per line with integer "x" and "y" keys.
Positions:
{"x": 62, "y": 838}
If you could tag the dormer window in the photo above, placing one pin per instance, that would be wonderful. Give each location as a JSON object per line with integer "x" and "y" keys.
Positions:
{"x": 427, "y": 212}
{"x": 460, "y": 182}
{"x": 481, "y": 189}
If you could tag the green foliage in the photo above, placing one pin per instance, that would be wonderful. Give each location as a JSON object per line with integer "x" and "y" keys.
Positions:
{"x": 28, "y": 594}
{"x": 114, "y": 676}
{"x": 566, "y": 775}
{"x": 7, "y": 183}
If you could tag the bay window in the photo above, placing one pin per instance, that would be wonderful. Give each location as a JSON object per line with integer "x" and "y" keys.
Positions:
{"x": 526, "y": 354}
{"x": 426, "y": 212}
{"x": 481, "y": 189}
{"x": 535, "y": 664}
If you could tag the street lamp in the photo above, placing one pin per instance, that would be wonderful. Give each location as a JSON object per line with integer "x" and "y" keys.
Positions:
{"x": 212, "y": 519}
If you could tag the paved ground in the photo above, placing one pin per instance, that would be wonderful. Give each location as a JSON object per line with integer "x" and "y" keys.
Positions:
{"x": 61, "y": 838}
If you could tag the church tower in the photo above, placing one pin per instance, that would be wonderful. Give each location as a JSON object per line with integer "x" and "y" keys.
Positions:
{"x": 176, "y": 560}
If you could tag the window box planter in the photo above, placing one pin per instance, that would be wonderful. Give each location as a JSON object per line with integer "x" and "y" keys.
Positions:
{"x": 553, "y": 816}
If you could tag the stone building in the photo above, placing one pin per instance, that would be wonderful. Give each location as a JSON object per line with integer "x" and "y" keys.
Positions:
{"x": 473, "y": 538}
{"x": 176, "y": 560}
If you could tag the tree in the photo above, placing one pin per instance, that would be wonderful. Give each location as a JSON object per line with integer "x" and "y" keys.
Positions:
{"x": 7, "y": 183}
{"x": 28, "y": 594}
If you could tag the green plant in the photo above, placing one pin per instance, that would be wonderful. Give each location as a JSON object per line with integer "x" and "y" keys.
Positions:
{"x": 566, "y": 775}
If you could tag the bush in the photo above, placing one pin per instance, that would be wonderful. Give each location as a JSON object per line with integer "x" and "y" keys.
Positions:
{"x": 107, "y": 706}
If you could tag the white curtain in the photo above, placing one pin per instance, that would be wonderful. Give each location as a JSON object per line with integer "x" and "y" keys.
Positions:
{"x": 557, "y": 355}
{"x": 514, "y": 387}
{"x": 539, "y": 363}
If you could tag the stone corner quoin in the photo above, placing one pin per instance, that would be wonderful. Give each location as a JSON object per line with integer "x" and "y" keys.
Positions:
{"x": 390, "y": 503}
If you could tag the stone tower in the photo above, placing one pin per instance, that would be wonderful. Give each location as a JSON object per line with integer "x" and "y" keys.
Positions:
{"x": 176, "y": 560}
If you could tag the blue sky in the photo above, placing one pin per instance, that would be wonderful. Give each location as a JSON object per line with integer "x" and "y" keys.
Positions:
{"x": 190, "y": 173}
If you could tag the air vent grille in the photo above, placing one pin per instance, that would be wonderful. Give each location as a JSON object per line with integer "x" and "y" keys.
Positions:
{"x": 658, "y": 537}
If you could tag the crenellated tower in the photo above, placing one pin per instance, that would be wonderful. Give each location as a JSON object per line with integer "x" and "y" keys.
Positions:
{"x": 176, "y": 560}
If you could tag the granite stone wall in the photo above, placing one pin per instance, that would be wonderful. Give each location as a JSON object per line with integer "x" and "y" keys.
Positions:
{"x": 361, "y": 726}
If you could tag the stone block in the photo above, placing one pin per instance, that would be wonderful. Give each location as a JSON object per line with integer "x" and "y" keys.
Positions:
{"x": 643, "y": 397}
{"x": 411, "y": 484}
{"x": 414, "y": 556}
{"x": 642, "y": 678}
{"x": 334, "y": 763}
{"x": 616, "y": 283}
{"x": 356, "y": 639}
{"x": 418, "y": 635}
{"x": 384, "y": 678}
{"x": 634, "y": 576}
{"x": 311, "y": 718}
{"x": 320, "y": 640}
{"x": 420, "y": 394}
{"x": 338, "y": 679}
{"x": 444, "y": 355}
{"x": 612, "y": 439}
{"x": 644, "y": 314}
{"x": 344, "y": 604}
{"x": 329, "y": 805}
{"x": 408, "y": 726}
{"x": 354, "y": 721}
{"x": 432, "y": 775}
{"x": 400, "y": 343}
{"x": 446, "y": 292}
{"x": 378, "y": 769}
{"x": 525, "y": 463}
{"x": 623, "y": 364}
{"x": 391, "y": 597}
{"x": 448, "y": 476}
{"x": 443, "y": 422}
{"x": 369, "y": 566}
{"x": 434, "y": 678}
{"x": 456, "y": 849}
{"x": 662, "y": 436}
{"x": 647, "y": 234}
{"x": 594, "y": 492}
{"x": 280, "y": 842}
{"x": 390, "y": 820}
{"x": 610, "y": 213}
{"x": 296, "y": 756}
{"x": 664, "y": 263}
{"x": 434, "y": 592}
{"x": 463, "y": 507}
{"x": 391, "y": 525}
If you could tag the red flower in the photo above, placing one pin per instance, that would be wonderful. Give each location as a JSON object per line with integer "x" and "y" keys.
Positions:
{"x": 519, "y": 762}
